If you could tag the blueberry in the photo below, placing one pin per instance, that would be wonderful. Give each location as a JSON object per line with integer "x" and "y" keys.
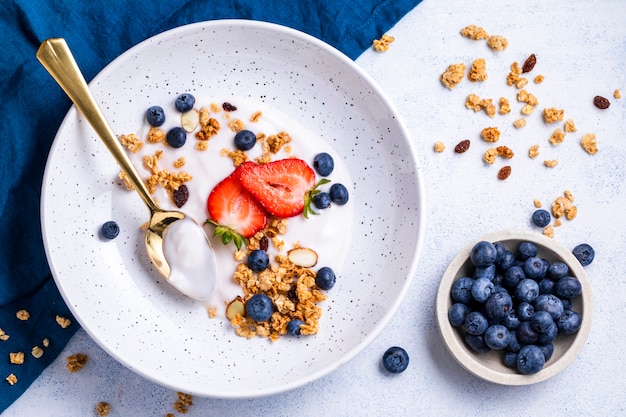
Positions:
{"x": 497, "y": 280}
{"x": 322, "y": 200}
{"x": 498, "y": 305}
{"x": 584, "y": 253}
{"x": 458, "y": 313}
{"x": 497, "y": 337}
{"x": 567, "y": 303}
{"x": 461, "y": 290}
{"x": 245, "y": 140}
{"x": 526, "y": 250}
{"x": 546, "y": 286}
{"x": 513, "y": 276}
{"x": 526, "y": 290}
{"x": 535, "y": 268}
{"x": 155, "y": 116}
{"x": 558, "y": 270}
{"x": 184, "y": 102}
{"x": 514, "y": 345}
{"x": 482, "y": 289}
{"x": 568, "y": 287}
{"x": 483, "y": 254}
{"x": 510, "y": 359}
{"x": 176, "y": 137}
{"x": 395, "y": 359}
{"x": 550, "y": 303}
{"x": 541, "y": 321}
{"x": 541, "y": 218}
{"x": 339, "y": 194}
{"x": 258, "y": 260}
{"x": 530, "y": 360}
{"x": 476, "y": 323}
{"x": 488, "y": 272}
{"x": 476, "y": 343}
{"x": 569, "y": 322}
{"x": 547, "y": 349}
{"x": 548, "y": 335}
{"x": 525, "y": 311}
{"x": 500, "y": 249}
{"x": 526, "y": 334}
{"x": 506, "y": 261}
{"x": 259, "y": 307}
{"x": 293, "y": 327}
{"x": 511, "y": 321}
{"x": 325, "y": 278}
{"x": 110, "y": 230}
{"x": 323, "y": 164}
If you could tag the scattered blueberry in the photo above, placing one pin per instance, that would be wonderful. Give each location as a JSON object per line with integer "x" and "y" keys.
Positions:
{"x": 245, "y": 140}
{"x": 322, "y": 200}
{"x": 293, "y": 327}
{"x": 155, "y": 116}
{"x": 176, "y": 137}
{"x": 325, "y": 278}
{"x": 497, "y": 337}
{"x": 530, "y": 360}
{"x": 483, "y": 254}
{"x": 258, "y": 260}
{"x": 323, "y": 164}
{"x": 110, "y": 230}
{"x": 584, "y": 253}
{"x": 395, "y": 359}
{"x": 259, "y": 307}
{"x": 541, "y": 218}
{"x": 339, "y": 194}
{"x": 184, "y": 102}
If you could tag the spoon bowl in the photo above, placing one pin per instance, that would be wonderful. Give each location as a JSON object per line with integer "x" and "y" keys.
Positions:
{"x": 56, "y": 57}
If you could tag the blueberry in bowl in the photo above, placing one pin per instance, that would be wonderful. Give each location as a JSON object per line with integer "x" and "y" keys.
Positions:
{"x": 523, "y": 323}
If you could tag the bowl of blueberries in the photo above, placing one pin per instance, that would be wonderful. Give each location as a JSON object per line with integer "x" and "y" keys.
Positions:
{"x": 515, "y": 307}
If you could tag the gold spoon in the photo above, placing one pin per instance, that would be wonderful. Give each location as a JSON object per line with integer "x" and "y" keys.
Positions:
{"x": 57, "y": 59}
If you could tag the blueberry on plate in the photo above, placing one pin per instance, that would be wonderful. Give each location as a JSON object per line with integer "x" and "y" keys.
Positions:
{"x": 155, "y": 116}
{"x": 110, "y": 230}
{"x": 458, "y": 313}
{"x": 322, "y": 200}
{"x": 483, "y": 254}
{"x": 584, "y": 253}
{"x": 325, "y": 278}
{"x": 259, "y": 307}
{"x": 184, "y": 102}
{"x": 530, "y": 359}
{"x": 176, "y": 137}
{"x": 541, "y": 218}
{"x": 293, "y": 327}
{"x": 395, "y": 359}
{"x": 258, "y": 260}
{"x": 339, "y": 194}
{"x": 497, "y": 337}
{"x": 323, "y": 164}
{"x": 245, "y": 140}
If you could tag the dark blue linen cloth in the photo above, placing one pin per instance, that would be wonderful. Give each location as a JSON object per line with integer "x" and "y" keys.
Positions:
{"x": 32, "y": 107}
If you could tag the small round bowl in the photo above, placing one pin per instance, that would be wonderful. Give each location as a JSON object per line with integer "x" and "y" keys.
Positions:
{"x": 490, "y": 366}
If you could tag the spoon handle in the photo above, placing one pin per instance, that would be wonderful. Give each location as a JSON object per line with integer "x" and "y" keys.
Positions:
{"x": 57, "y": 59}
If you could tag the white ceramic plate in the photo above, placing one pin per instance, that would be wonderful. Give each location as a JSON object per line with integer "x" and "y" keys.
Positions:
{"x": 168, "y": 338}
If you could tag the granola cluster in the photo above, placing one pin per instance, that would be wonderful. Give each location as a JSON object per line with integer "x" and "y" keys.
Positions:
{"x": 382, "y": 44}
{"x": 562, "y": 207}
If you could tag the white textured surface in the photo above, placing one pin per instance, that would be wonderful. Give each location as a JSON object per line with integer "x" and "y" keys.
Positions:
{"x": 581, "y": 49}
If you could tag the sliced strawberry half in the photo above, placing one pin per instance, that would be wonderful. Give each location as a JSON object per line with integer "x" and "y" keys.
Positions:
{"x": 232, "y": 206}
{"x": 280, "y": 186}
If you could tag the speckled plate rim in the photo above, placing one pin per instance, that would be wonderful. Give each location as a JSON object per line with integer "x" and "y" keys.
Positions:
{"x": 413, "y": 249}
{"x": 460, "y": 352}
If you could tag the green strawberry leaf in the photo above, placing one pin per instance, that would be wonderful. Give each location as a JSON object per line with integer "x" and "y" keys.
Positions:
{"x": 227, "y": 235}
{"x": 308, "y": 198}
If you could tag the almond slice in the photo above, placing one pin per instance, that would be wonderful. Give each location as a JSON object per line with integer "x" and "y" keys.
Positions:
{"x": 189, "y": 120}
{"x": 304, "y": 257}
{"x": 235, "y": 307}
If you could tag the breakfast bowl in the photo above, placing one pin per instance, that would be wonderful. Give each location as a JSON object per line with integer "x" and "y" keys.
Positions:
{"x": 489, "y": 364}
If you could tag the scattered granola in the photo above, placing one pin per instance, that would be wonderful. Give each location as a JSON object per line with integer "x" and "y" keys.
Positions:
{"x": 76, "y": 362}
{"x": 505, "y": 107}
{"x": 183, "y": 403}
{"x": 382, "y": 44}
{"x": 548, "y": 231}
{"x": 11, "y": 379}
{"x": 569, "y": 126}
{"x": 519, "y": 123}
{"x": 16, "y": 358}
{"x": 256, "y": 116}
{"x": 3, "y": 336}
{"x": 474, "y": 32}
{"x": 533, "y": 152}
{"x": 537, "y": 203}
{"x": 490, "y": 134}
{"x": 439, "y": 147}
{"x": 552, "y": 114}
{"x": 505, "y": 152}
{"x": 132, "y": 142}
{"x": 550, "y": 163}
{"x": 514, "y": 75}
{"x": 103, "y": 408}
{"x": 22, "y": 315}
{"x": 37, "y": 352}
{"x": 478, "y": 71}
{"x": 209, "y": 127}
{"x": 63, "y": 322}
{"x": 453, "y": 75}
{"x": 473, "y": 102}
{"x": 497, "y": 42}
{"x": 558, "y": 136}
{"x": 527, "y": 109}
{"x": 155, "y": 135}
{"x": 563, "y": 206}
{"x": 589, "y": 143}
{"x": 539, "y": 79}
{"x": 617, "y": 94}
{"x": 524, "y": 96}
{"x": 490, "y": 155}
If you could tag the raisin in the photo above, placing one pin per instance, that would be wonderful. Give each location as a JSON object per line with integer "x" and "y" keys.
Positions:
{"x": 462, "y": 146}
{"x": 504, "y": 172}
{"x": 228, "y": 107}
{"x": 601, "y": 102}
{"x": 264, "y": 243}
{"x": 181, "y": 195}
{"x": 529, "y": 64}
